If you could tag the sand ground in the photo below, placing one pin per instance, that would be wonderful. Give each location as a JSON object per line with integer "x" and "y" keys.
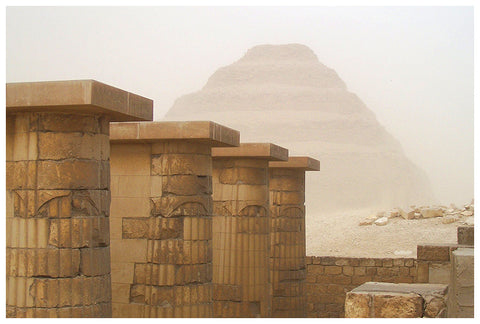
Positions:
{"x": 340, "y": 235}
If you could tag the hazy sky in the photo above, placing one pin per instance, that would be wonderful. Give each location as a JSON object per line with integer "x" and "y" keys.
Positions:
{"x": 412, "y": 66}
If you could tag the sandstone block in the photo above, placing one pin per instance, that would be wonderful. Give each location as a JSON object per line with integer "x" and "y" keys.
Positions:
{"x": 37, "y": 230}
{"x": 465, "y": 235}
{"x": 57, "y": 146}
{"x": 449, "y": 220}
{"x": 333, "y": 270}
{"x": 173, "y": 206}
{"x": 227, "y": 292}
{"x": 433, "y": 252}
{"x": 128, "y": 250}
{"x": 357, "y": 305}
{"x": 439, "y": 272}
{"x": 95, "y": 261}
{"x": 254, "y": 176}
{"x": 435, "y": 307}
{"x": 130, "y": 207}
{"x": 181, "y": 164}
{"x": 381, "y": 221}
{"x": 287, "y": 198}
{"x": 122, "y": 272}
{"x": 241, "y": 192}
{"x": 69, "y": 123}
{"x": 186, "y": 185}
{"x": 78, "y": 174}
{"x": 398, "y": 305}
{"x": 287, "y": 184}
{"x": 131, "y": 186}
{"x": 130, "y": 159}
{"x": 431, "y": 212}
{"x": 135, "y": 228}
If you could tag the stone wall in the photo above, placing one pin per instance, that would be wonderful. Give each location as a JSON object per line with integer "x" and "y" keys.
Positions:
{"x": 330, "y": 278}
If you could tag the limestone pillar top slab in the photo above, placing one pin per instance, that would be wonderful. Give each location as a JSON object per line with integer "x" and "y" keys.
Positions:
{"x": 264, "y": 151}
{"x": 150, "y": 132}
{"x": 297, "y": 162}
{"x": 402, "y": 288}
{"x": 85, "y": 96}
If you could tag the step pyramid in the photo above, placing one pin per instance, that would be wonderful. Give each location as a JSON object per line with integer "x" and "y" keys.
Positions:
{"x": 283, "y": 94}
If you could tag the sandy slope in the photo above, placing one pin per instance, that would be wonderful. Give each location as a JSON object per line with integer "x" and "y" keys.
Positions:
{"x": 339, "y": 235}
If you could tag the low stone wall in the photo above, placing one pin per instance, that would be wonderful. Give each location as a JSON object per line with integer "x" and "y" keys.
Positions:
{"x": 330, "y": 278}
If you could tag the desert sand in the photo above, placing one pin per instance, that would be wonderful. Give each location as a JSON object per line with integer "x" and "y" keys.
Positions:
{"x": 338, "y": 234}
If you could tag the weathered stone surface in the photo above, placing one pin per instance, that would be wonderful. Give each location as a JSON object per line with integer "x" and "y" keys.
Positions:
{"x": 439, "y": 272}
{"x": 461, "y": 295}
{"x": 254, "y": 176}
{"x": 381, "y": 221}
{"x": 187, "y": 185}
{"x": 387, "y": 300}
{"x": 74, "y": 174}
{"x": 465, "y": 235}
{"x": 431, "y": 212}
{"x": 398, "y": 305}
{"x": 467, "y": 213}
{"x": 435, "y": 307}
{"x": 182, "y": 164}
{"x": 227, "y": 292}
{"x": 80, "y": 96}
{"x": 172, "y": 206}
{"x": 56, "y": 146}
{"x": 433, "y": 252}
{"x": 449, "y": 220}
{"x": 357, "y": 305}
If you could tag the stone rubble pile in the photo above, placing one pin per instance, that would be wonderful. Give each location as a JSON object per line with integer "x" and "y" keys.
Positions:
{"x": 449, "y": 214}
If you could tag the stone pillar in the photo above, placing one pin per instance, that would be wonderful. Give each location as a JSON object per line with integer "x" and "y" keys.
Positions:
{"x": 287, "y": 235}
{"x": 58, "y": 198}
{"x": 161, "y": 217}
{"x": 461, "y": 295}
{"x": 241, "y": 227}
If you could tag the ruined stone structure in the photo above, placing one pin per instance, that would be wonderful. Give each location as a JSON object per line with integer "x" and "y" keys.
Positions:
{"x": 58, "y": 198}
{"x": 329, "y": 279}
{"x": 162, "y": 217}
{"x": 282, "y": 93}
{"x": 198, "y": 225}
{"x": 287, "y": 235}
{"x": 241, "y": 227}
{"x": 390, "y": 300}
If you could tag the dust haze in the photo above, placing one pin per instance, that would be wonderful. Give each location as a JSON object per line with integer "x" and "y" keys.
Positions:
{"x": 411, "y": 67}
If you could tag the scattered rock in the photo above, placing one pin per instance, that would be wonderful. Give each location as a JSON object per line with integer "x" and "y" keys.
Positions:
{"x": 394, "y": 213}
{"x": 381, "y": 221}
{"x": 367, "y": 221}
{"x": 411, "y": 214}
{"x": 449, "y": 220}
{"x": 467, "y": 213}
{"x": 449, "y": 215}
{"x": 431, "y": 212}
